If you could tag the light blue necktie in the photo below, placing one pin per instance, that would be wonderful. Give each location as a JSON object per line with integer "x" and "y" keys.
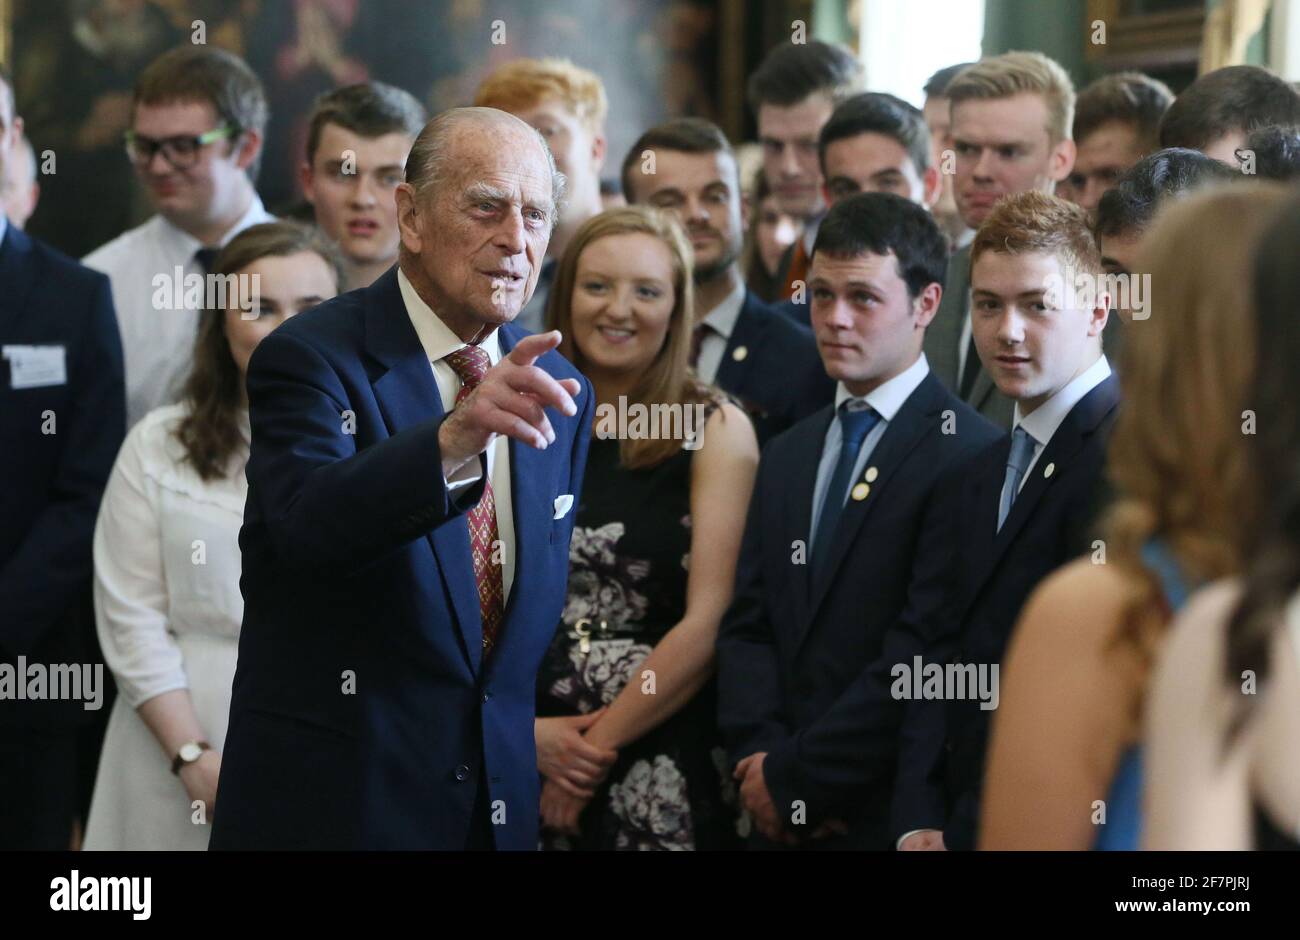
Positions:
{"x": 1022, "y": 449}
{"x": 854, "y": 428}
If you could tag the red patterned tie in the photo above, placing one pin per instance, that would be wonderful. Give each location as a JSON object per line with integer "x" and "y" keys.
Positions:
{"x": 471, "y": 364}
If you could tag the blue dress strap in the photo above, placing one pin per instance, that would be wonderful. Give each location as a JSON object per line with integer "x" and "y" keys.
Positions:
{"x": 1157, "y": 556}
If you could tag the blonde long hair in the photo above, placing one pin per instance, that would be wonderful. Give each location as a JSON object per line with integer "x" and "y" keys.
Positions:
{"x": 669, "y": 379}
{"x": 1177, "y": 456}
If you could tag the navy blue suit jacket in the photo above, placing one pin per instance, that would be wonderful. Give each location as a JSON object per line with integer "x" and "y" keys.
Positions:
{"x": 799, "y": 313}
{"x": 772, "y": 366}
{"x": 53, "y": 475}
{"x": 357, "y": 568}
{"x": 993, "y": 575}
{"x": 804, "y": 668}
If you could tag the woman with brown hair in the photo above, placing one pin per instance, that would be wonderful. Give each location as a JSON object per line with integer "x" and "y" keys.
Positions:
{"x": 1223, "y": 726}
{"x": 167, "y": 564}
{"x": 627, "y": 736}
{"x": 769, "y": 234}
{"x": 1064, "y": 770}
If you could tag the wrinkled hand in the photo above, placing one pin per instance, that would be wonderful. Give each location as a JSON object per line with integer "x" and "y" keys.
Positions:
{"x": 509, "y": 400}
{"x": 561, "y": 809}
{"x": 927, "y": 840}
{"x": 756, "y": 799}
{"x": 568, "y": 759}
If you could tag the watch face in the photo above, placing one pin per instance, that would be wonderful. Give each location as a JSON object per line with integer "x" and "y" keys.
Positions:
{"x": 190, "y": 752}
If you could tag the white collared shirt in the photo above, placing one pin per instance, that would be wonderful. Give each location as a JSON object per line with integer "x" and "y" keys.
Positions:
{"x": 157, "y": 337}
{"x": 721, "y": 320}
{"x": 886, "y": 399}
{"x": 1042, "y": 423}
{"x": 439, "y": 342}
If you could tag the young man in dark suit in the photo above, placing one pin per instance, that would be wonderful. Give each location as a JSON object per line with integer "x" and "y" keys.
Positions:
{"x": 742, "y": 345}
{"x": 1024, "y": 506}
{"x": 62, "y": 419}
{"x": 844, "y": 543}
{"x": 415, "y": 457}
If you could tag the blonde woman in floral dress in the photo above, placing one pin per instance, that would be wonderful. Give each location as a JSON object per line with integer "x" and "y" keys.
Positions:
{"x": 627, "y": 738}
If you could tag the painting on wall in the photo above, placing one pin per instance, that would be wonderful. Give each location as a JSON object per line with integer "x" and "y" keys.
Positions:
{"x": 75, "y": 62}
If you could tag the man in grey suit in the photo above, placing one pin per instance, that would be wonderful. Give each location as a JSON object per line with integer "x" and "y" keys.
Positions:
{"x": 1011, "y": 118}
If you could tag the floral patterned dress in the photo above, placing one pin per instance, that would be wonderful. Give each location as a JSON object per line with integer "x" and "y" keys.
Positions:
{"x": 670, "y": 789}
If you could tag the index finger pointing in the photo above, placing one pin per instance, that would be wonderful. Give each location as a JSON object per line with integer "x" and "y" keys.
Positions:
{"x": 530, "y": 348}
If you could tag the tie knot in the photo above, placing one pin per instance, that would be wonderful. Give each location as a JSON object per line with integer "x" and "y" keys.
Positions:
{"x": 1022, "y": 446}
{"x": 205, "y": 257}
{"x": 856, "y": 424}
{"x": 470, "y": 363}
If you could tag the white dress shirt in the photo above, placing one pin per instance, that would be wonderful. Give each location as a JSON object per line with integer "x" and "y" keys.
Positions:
{"x": 1042, "y": 423}
{"x": 886, "y": 399}
{"x": 168, "y": 611}
{"x": 157, "y": 339}
{"x": 721, "y": 320}
{"x": 439, "y": 342}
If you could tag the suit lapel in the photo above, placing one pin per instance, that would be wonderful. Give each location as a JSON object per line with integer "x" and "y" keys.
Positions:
{"x": 910, "y": 424}
{"x": 532, "y": 476}
{"x": 17, "y": 274}
{"x": 736, "y": 366}
{"x": 1061, "y": 451}
{"x": 408, "y": 394}
{"x": 803, "y": 483}
{"x": 943, "y": 337}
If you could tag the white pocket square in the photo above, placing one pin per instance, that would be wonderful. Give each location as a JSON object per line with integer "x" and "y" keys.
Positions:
{"x": 562, "y": 505}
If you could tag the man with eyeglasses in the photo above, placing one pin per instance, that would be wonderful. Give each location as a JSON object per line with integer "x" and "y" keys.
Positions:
{"x": 357, "y": 141}
{"x": 195, "y": 143}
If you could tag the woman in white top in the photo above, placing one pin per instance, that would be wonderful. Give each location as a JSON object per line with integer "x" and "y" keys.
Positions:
{"x": 1223, "y": 722}
{"x": 167, "y": 601}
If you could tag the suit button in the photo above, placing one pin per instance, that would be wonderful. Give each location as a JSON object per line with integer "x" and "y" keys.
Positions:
{"x": 486, "y": 696}
{"x": 462, "y": 772}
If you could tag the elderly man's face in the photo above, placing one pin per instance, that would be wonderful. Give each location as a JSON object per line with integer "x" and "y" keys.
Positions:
{"x": 480, "y": 236}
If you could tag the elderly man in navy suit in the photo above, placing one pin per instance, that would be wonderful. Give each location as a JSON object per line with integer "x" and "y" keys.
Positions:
{"x": 845, "y": 545}
{"x": 415, "y": 457}
{"x": 62, "y": 418}
{"x": 1027, "y": 504}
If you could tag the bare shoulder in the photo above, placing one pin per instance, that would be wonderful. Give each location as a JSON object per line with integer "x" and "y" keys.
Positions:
{"x": 729, "y": 429}
{"x": 1076, "y": 608}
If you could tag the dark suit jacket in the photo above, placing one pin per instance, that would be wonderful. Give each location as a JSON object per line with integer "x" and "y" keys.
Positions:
{"x": 992, "y": 576}
{"x": 804, "y": 668}
{"x": 357, "y": 566}
{"x": 51, "y": 483}
{"x": 772, "y": 366}
{"x": 943, "y": 345}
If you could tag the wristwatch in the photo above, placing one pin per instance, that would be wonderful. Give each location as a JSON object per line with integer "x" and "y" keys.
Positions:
{"x": 190, "y": 752}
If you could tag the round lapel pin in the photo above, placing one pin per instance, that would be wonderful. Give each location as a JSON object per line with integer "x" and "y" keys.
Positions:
{"x": 739, "y": 353}
{"x": 1050, "y": 469}
{"x": 871, "y": 474}
{"x": 860, "y": 492}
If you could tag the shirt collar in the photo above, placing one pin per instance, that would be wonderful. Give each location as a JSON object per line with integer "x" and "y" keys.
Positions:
{"x": 436, "y": 337}
{"x": 1042, "y": 423}
{"x": 889, "y": 397}
{"x": 810, "y": 233}
{"x": 184, "y": 241}
{"x": 722, "y": 318}
{"x": 4, "y": 226}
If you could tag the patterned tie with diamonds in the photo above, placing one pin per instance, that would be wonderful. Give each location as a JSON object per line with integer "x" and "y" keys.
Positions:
{"x": 471, "y": 364}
